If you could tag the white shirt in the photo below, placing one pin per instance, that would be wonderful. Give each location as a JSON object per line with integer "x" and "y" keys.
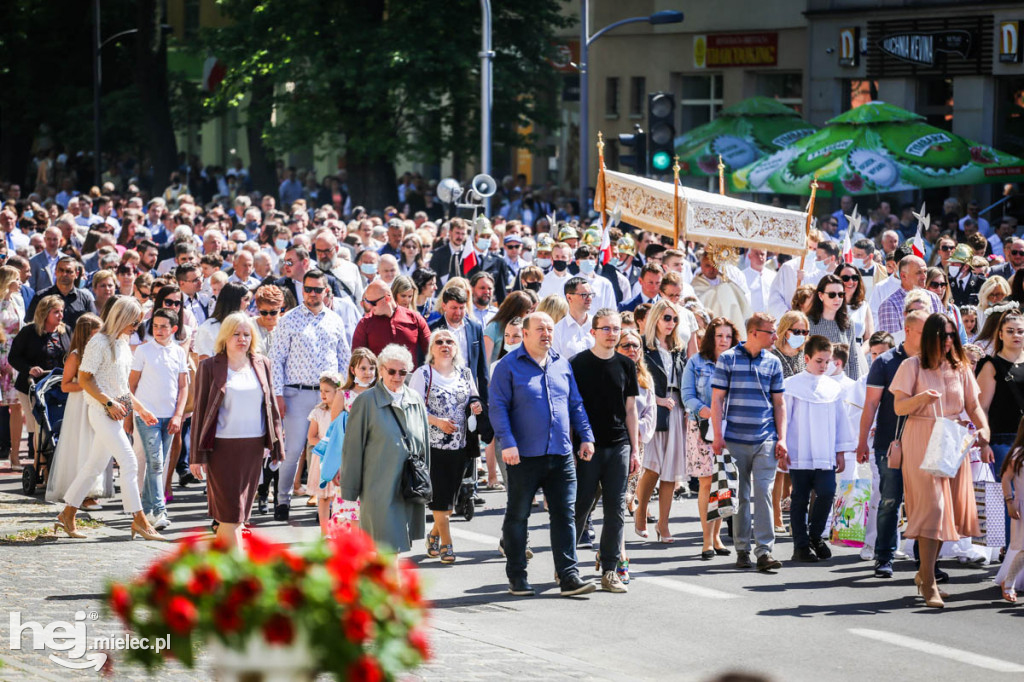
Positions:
{"x": 460, "y": 337}
{"x": 685, "y": 291}
{"x": 553, "y": 284}
{"x": 604, "y": 293}
{"x": 784, "y": 285}
{"x": 158, "y": 384}
{"x": 818, "y": 422}
{"x": 760, "y": 284}
{"x": 570, "y": 338}
{"x": 251, "y": 283}
{"x": 206, "y": 335}
{"x": 109, "y": 364}
{"x": 996, "y": 242}
{"x": 241, "y": 412}
{"x": 882, "y": 291}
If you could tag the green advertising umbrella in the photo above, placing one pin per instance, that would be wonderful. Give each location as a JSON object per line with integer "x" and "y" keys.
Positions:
{"x": 742, "y": 134}
{"x": 877, "y": 147}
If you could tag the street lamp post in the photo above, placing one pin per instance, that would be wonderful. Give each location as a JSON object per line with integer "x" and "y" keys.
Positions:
{"x": 486, "y": 95}
{"x": 663, "y": 17}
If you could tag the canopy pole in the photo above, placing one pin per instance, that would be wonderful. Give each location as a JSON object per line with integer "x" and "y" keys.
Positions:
{"x": 600, "y": 182}
{"x": 675, "y": 201}
{"x": 810, "y": 217}
{"x": 721, "y": 175}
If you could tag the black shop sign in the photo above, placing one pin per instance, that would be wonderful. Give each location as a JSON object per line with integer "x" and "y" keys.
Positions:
{"x": 914, "y": 47}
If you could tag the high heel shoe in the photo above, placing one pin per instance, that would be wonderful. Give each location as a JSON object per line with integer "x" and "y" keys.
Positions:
{"x": 664, "y": 539}
{"x": 72, "y": 533}
{"x": 642, "y": 533}
{"x": 147, "y": 534}
{"x": 931, "y": 600}
{"x": 1009, "y": 593}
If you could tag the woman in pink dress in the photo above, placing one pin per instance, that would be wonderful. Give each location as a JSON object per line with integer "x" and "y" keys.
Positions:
{"x": 938, "y": 383}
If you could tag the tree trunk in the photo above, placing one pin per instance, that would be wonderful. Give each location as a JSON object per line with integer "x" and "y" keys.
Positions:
{"x": 372, "y": 183}
{"x": 261, "y": 164}
{"x": 151, "y": 80}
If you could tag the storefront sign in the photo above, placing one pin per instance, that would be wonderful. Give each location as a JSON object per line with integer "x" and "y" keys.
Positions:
{"x": 1009, "y": 42}
{"x": 736, "y": 49}
{"x": 921, "y": 48}
{"x": 849, "y": 46}
{"x": 933, "y": 46}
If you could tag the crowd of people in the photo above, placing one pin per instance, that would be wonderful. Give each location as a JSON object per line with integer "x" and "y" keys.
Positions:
{"x": 350, "y": 356}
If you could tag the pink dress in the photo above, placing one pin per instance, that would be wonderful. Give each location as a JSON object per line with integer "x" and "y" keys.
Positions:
{"x": 345, "y": 513}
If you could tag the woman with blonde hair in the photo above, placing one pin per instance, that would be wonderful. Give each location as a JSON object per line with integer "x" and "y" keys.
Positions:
{"x": 104, "y": 285}
{"x": 12, "y": 312}
{"x": 103, "y": 376}
{"x": 992, "y": 292}
{"x": 236, "y": 417}
{"x": 664, "y": 461}
{"x": 403, "y": 290}
{"x": 555, "y": 306}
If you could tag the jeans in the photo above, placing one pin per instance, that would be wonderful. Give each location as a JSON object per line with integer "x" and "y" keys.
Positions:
{"x": 183, "y": 460}
{"x": 109, "y": 440}
{"x": 609, "y": 467}
{"x": 156, "y": 443}
{"x": 811, "y": 526}
{"x": 298, "y": 404}
{"x": 1001, "y": 444}
{"x": 556, "y": 474}
{"x": 890, "y": 487}
{"x": 755, "y": 464}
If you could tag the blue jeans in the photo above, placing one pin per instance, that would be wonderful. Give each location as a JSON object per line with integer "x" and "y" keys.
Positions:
{"x": 556, "y": 474}
{"x": 811, "y": 526}
{"x": 890, "y": 487}
{"x": 609, "y": 468}
{"x": 156, "y": 442}
{"x": 755, "y": 469}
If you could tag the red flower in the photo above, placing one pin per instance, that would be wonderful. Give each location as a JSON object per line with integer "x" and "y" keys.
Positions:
{"x": 418, "y": 640}
{"x": 121, "y": 601}
{"x": 189, "y": 543}
{"x": 290, "y": 597}
{"x": 409, "y": 581}
{"x": 205, "y": 580}
{"x": 365, "y": 669}
{"x": 261, "y": 551}
{"x": 245, "y": 590}
{"x": 279, "y": 630}
{"x": 181, "y": 615}
{"x": 345, "y": 593}
{"x": 358, "y": 625}
{"x": 226, "y": 618}
{"x": 295, "y": 563}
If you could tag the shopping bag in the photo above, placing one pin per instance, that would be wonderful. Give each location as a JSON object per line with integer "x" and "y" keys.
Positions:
{"x": 850, "y": 512}
{"x": 988, "y": 496}
{"x": 948, "y": 445}
{"x": 344, "y": 513}
{"x": 722, "y": 502}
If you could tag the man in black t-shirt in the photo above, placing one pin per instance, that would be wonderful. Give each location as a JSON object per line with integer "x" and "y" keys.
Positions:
{"x": 608, "y": 384}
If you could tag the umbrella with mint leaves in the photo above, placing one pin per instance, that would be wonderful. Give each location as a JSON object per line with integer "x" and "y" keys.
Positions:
{"x": 878, "y": 147}
{"x": 741, "y": 134}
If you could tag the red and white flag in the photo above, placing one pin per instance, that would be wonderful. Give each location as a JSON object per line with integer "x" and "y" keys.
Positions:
{"x": 847, "y": 248}
{"x": 917, "y": 243}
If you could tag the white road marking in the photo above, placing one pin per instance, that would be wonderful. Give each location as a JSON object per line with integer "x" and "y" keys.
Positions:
{"x": 669, "y": 583}
{"x": 959, "y": 655}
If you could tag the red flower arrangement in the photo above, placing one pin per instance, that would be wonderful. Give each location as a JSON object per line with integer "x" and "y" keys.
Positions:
{"x": 205, "y": 592}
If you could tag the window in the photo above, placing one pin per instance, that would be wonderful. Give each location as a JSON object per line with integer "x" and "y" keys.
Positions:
{"x": 787, "y": 88}
{"x": 858, "y": 92}
{"x": 637, "y": 93}
{"x": 611, "y": 97}
{"x": 935, "y": 101}
{"x": 701, "y": 101}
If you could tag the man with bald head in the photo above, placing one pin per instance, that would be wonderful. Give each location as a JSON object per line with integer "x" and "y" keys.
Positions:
{"x": 388, "y": 322}
{"x": 912, "y": 273}
{"x": 534, "y": 401}
{"x": 44, "y": 263}
{"x": 879, "y": 399}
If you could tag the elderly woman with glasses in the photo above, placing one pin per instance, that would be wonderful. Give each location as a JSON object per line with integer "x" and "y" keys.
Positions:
{"x": 449, "y": 392}
{"x": 386, "y": 426}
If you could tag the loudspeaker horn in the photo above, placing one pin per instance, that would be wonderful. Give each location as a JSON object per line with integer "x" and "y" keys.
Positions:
{"x": 484, "y": 186}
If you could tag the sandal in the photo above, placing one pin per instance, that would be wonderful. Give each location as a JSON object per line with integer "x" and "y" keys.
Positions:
{"x": 433, "y": 546}
{"x": 447, "y": 554}
{"x": 1009, "y": 593}
{"x": 495, "y": 486}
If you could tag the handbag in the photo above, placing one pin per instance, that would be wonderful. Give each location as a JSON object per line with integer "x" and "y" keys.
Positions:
{"x": 949, "y": 443}
{"x": 415, "y": 483}
{"x": 722, "y": 501}
{"x": 895, "y": 454}
{"x": 126, "y": 403}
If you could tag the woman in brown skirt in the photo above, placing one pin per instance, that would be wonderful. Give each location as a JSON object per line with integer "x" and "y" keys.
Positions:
{"x": 237, "y": 420}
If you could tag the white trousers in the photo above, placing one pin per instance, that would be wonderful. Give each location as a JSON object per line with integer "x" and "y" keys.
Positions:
{"x": 109, "y": 440}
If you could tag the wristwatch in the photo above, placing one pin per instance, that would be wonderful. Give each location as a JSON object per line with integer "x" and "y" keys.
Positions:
{"x": 110, "y": 403}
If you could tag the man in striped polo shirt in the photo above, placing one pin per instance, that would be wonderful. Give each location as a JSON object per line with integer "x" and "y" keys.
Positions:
{"x": 749, "y": 420}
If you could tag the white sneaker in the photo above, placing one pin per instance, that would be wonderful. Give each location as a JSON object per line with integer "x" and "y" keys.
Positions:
{"x": 161, "y": 522}
{"x": 867, "y": 553}
{"x": 610, "y": 582}
{"x": 901, "y": 555}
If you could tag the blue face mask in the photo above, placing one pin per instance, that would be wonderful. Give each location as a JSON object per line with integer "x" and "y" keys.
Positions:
{"x": 281, "y": 244}
{"x": 28, "y": 213}
{"x": 587, "y": 266}
{"x": 795, "y": 342}
{"x": 368, "y": 268}
{"x": 543, "y": 262}
{"x": 509, "y": 347}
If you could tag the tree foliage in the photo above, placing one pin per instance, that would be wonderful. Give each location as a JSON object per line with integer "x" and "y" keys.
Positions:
{"x": 386, "y": 79}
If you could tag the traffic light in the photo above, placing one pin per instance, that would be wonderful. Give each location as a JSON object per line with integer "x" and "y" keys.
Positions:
{"x": 661, "y": 129}
{"x": 637, "y": 141}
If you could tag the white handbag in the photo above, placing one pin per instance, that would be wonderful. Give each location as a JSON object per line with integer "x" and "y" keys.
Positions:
{"x": 948, "y": 445}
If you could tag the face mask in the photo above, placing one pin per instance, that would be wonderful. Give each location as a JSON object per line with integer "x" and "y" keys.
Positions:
{"x": 363, "y": 384}
{"x": 860, "y": 263}
{"x": 28, "y": 213}
{"x": 795, "y": 342}
{"x": 811, "y": 261}
{"x": 620, "y": 263}
{"x": 587, "y": 266}
{"x": 954, "y": 271}
{"x": 509, "y": 347}
{"x": 483, "y": 244}
{"x": 820, "y": 265}
{"x": 281, "y": 244}
{"x": 533, "y": 286}
{"x": 544, "y": 263}
{"x": 560, "y": 265}
{"x": 252, "y": 225}
{"x": 368, "y": 268}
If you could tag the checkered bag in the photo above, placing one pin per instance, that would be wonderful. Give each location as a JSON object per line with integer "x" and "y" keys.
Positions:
{"x": 722, "y": 503}
{"x": 988, "y": 495}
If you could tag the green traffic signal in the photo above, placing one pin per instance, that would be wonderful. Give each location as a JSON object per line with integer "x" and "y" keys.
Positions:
{"x": 661, "y": 161}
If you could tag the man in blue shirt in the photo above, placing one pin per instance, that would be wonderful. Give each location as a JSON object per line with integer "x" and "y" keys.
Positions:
{"x": 747, "y": 398}
{"x": 533, "y": 403}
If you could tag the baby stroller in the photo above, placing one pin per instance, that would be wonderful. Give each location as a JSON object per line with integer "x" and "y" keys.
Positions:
{"x": 48, "y": 401}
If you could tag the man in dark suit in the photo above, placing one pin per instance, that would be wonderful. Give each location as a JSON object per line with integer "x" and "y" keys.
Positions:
{"x": 963, "y": 284}
{"x": 492, "y": 264}
{"x": 446, "y": 260}
{"x": 1014, "y": 254}
{"x": 44, "y": 263}
{"x": 650, "y": 287}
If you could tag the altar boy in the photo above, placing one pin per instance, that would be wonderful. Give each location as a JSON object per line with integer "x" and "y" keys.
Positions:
{"x": 818, "y": 434}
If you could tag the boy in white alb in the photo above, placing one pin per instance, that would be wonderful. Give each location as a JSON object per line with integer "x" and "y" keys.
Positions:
{"x": 159, "y": 380}
{"x": 818, "y": 433}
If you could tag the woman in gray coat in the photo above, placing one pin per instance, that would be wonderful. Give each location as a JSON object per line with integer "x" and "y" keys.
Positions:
{"x": 384, "y": 424}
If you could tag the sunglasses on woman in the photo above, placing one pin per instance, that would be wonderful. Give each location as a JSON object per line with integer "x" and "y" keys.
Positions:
{"x": 799, "y": 332}
{"x": 849, "y": 278}
{"x": 937, "y": 285}
{"x": 400, "y": 372}
{"x": 444, "y": 342}
{"x": 669, "y": 318}
{"x": 832, "y": 294}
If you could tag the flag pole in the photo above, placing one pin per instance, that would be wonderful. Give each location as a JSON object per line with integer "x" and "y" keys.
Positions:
{"x": 675, "y": 201}
{"x": 600, "y": 181}
{"x": 721, "y": 175}
{"x": 810, "y": 217}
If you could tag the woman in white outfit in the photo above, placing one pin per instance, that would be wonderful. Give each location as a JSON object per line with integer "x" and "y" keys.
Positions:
{"x": 103, "y": 375}
{"x": 76, "y": 432}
